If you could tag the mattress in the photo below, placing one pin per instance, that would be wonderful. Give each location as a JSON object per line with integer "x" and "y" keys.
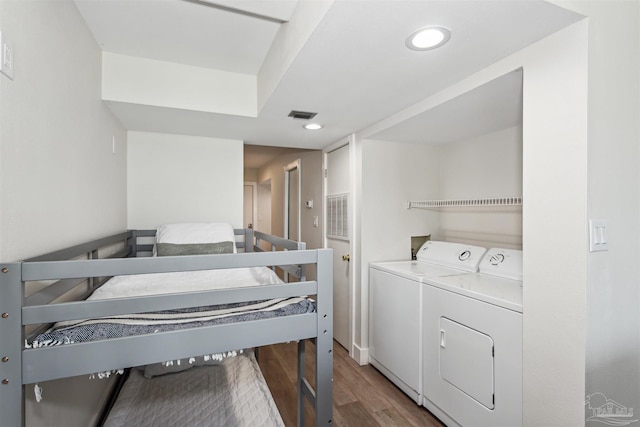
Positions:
{"x": 85, "y": 330}
{"x": 233, "y": 393}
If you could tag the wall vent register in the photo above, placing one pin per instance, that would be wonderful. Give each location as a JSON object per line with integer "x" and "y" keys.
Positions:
{"x": 338, "y": 216}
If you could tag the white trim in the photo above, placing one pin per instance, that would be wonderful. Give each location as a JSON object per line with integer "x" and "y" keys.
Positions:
{"x": 287, "y": 169}
{"x": 361, "y": 355}
{"x": 355, "y": 262}
{"x": 254, "y": 186}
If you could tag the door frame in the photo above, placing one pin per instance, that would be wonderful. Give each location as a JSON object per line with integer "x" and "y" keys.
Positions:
{"x": 354, "y": 350}
{"x": 287, "y": 170}
{"x": 254, "y": 193}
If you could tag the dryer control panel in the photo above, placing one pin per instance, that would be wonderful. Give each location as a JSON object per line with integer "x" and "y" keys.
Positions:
{"x": 453, "y": 255}
{"x": 505, "y": 263}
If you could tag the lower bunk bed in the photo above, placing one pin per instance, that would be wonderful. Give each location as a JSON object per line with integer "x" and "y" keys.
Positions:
{"x": 136, "y": 317}
{"x": 232, "y": 393}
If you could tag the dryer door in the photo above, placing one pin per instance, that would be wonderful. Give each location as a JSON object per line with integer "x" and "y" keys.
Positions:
{"x": 466, "y": 361}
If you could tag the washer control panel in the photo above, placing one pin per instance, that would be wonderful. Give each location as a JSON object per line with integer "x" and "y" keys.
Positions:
{"x": 454, "y": 255}
{"x": 503, "y": 263}
{"x": 464, "y": 255}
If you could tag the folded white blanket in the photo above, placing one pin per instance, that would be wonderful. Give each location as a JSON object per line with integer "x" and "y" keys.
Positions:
{"x": 184, "y": 281}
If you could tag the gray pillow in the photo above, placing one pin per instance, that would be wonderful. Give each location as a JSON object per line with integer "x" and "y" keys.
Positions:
{"x": 156, "y": 369}
{"x": 175, "y": 249}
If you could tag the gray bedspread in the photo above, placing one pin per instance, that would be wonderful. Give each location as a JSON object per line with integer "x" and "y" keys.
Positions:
{"x": 233, "y": 394}
{"x": 149, "y": 323}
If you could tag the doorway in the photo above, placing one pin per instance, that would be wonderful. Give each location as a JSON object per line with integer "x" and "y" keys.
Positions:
{"x": 292, "y": 201}
{"x": 250, "y": 204}
{"x": 338, "y": 237}
{"x": 264, "y": 207}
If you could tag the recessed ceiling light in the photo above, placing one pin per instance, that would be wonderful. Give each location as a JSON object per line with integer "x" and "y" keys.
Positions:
{"x": 312, "y": 126}
{"x": 428, "y": 38}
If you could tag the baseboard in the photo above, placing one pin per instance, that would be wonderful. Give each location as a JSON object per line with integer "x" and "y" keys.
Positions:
{"x": 361, "y": 355}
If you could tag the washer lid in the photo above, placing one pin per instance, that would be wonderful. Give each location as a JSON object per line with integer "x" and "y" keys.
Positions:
{"x": 453, "y": 255}
{"x": 415, "y": 270}
{"x": 502, "y": 263}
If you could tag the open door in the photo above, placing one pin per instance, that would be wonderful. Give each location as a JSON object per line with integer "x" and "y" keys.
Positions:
{"x": 338, "y": 238}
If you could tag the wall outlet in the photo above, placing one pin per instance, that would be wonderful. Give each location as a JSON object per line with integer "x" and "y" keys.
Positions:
{"x": 7, "y": 56}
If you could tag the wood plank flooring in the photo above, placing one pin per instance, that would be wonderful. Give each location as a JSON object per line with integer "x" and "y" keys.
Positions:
{"x": 362, "y": 396}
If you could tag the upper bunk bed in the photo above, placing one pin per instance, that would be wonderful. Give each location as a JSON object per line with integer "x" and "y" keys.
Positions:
{"x": 86, "y": 270}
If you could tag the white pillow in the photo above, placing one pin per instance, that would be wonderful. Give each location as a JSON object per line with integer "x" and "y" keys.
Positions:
{"x": 194, "y": 232}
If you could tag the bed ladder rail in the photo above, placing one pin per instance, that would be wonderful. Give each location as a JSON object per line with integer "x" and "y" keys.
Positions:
{"x": 12, "y": 339}
{"x": 322, "y": 397}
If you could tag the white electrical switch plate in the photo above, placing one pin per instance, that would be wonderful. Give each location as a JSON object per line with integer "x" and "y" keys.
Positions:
{"x": 6, "y": 56}
{"x": 598, "y": 235}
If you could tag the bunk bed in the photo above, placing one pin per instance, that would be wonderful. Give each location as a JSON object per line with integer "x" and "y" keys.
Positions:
{"x": 91, "y": 265}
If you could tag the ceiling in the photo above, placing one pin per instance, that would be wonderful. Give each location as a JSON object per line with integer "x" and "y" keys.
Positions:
{"x": 488, "y": 108}
{"x": 353, "y": 68}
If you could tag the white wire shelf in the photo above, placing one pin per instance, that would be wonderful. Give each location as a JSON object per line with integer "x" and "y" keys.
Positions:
{"x": 454, "y": 203}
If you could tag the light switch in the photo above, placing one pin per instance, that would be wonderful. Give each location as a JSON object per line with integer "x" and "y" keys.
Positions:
{"x": 598, "y": 235}
{"x": 6, "y": 56}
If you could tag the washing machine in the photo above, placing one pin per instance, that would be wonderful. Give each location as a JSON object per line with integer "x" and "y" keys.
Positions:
{"x": 472, "y": 343}
{"x": 395, "y": 312}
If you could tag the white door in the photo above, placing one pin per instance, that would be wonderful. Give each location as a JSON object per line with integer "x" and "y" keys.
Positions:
{"x": 338, "y": 233}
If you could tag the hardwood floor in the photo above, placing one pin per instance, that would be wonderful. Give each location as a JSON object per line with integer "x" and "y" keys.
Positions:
{"x": 362, "y": 396}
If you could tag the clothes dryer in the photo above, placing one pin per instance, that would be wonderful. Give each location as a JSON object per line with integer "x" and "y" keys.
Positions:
{"x": 395, "y": 312}
{"x": 472, "y": 343}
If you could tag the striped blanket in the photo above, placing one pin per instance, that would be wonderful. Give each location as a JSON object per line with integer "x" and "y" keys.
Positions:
{"x": 161, "y": 321}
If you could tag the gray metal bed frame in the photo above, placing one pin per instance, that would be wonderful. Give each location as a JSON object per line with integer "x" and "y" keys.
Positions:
{"x": 20, "y": 366}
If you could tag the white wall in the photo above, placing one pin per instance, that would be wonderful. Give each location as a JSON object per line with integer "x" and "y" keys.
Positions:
{"x": 613, "y": 277}
{"x": 60, "y": 184}
{"x": 178, "y": 178}
{"x": 485, "y": 166}
{"x": 392, "y": 174}
{"x": 554, "y": 226}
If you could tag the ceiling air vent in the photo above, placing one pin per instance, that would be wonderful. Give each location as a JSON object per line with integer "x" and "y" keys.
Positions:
{"x": 304, "y": 115}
